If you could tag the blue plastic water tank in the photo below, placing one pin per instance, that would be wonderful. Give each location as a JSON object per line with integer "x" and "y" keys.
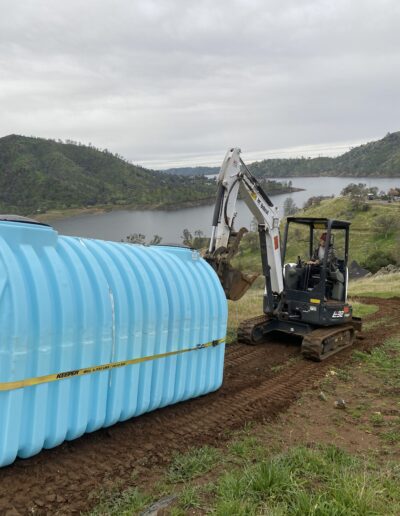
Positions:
{"x": 68, "y": 305}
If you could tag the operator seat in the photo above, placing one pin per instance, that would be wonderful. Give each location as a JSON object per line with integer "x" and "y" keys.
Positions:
{"x": 294, "y": 275}
{"x": 337, "y": 276}
{"x": 296, "y": 278}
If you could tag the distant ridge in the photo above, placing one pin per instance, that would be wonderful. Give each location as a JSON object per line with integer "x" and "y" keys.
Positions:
{"x": 37, "y": 175}
{"x": 379, "y": 158}
{"x": 192, "y": 171}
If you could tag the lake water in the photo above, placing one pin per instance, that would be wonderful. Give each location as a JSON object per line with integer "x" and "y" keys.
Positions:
{"x": 116, "y": 225}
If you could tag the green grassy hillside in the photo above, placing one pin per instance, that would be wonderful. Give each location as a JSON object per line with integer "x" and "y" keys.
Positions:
{"x": 37, "y": 175}
{"x": 372, "y": 232}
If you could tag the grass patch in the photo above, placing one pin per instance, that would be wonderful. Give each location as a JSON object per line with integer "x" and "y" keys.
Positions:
{"x": 189, "y": 498}
{"x": 384, "y": 286}
{"x": 384, "y": 362}
{"x": 128, "y": 502}
{"x": 377, "y": 419}
{"x": 248, "y": 448}
{"x": 392, "y": 437}
{"x": 362, "y": 309}
{"x": 192, "y": 464}
{"x": 384, "y": 321}
{"x": 344, "y": 375}
{"x": 320, "y": 481}
{"x": 249, "y": 306}
{"x": 359, "y": 410}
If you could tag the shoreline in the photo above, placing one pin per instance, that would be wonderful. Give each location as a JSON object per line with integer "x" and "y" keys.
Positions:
{"x": 95, "y": 210}
{"x": 54, "y": 215}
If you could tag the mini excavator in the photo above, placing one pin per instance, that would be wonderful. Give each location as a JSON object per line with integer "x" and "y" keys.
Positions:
{"x": 300, "y": 298}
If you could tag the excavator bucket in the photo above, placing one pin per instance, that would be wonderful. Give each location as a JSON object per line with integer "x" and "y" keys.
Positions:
{"x": 234, "y": 282}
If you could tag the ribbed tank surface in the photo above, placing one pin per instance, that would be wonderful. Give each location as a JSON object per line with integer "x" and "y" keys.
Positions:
{"x": 94, "y": 332}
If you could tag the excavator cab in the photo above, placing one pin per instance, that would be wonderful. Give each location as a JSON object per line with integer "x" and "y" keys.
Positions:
{"x": 323, "y": 279}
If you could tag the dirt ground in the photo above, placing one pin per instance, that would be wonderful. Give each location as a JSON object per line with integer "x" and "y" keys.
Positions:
{"x": 260, "y": 384}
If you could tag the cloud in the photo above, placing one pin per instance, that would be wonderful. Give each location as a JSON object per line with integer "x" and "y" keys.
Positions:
{"x": 158, "y": 81}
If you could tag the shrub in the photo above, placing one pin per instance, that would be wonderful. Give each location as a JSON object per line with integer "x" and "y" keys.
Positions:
{"x": 386, "y": 224}
{"x": 374, "y": 261}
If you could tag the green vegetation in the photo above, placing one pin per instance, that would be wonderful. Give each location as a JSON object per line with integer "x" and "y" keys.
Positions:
{"x": 249, "y": 306}
{"x": 362, "y": 310}
{"x": 384, "y": 286}
{"x": 277, "y": 187}
{"x": 374, "y": 234}
{"x": 125, "y": 503}
{"x": 384, "y": 362}
{"x": 380, "y": 158}
{"x": 317, "y": 480}
{"x": 139, "y": 238}
{"x": 313, "y": 481}
{"x": 376, "y": 159}
{"x": 366, "y": 236}
{"x": 289, "y": 207}
{"x": 192, "y": 464}
{"x": 37, "y": 175}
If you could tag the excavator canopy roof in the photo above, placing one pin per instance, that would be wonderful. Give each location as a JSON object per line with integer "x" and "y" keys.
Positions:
{"x": 319, "y": 222}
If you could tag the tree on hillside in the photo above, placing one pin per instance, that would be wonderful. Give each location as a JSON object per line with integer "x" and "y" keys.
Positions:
{"x": 386, "y": 224}
{"x": 394, "y": 192}
{"x": 359, "y": 190}
{"x": 156, "y": 240}
{"x": 316, "y": 201}
{"x": 198, "y": 241}
{"x": 187, "y": 237}
{"x": 358, "y": 194}
{"x": 289, "y": 207}
{"x": 139, "y": 238}
{"x": 136, "y": 238}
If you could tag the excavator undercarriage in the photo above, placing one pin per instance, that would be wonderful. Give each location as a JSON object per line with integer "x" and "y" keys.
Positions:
{"x": 318, "y": 344}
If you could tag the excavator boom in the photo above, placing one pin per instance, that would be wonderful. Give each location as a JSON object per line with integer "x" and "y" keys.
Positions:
{"x": 233, "y": 177}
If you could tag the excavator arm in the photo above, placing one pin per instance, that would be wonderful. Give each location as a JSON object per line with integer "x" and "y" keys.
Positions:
{"x": 233, "y": 177}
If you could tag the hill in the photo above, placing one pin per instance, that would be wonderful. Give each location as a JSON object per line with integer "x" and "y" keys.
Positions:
{"x": 379, "y": 158}
{"x": 37, "y": 175}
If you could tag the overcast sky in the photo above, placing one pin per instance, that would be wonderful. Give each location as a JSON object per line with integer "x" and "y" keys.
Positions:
{"x": 172, "y": 82}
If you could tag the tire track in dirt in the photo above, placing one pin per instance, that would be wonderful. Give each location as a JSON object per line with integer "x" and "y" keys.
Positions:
{"x": 259, "y": 383}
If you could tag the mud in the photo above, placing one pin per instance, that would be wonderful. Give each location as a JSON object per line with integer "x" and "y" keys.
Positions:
{"x": 260, "y": 382}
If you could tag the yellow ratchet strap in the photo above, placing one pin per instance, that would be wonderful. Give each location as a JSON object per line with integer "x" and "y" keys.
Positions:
{"x": 28, "y": 382}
